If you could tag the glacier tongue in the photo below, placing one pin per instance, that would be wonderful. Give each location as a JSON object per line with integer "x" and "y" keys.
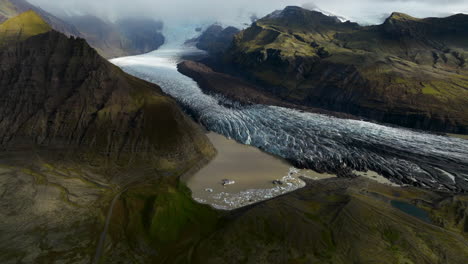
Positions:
{"x": 314, "y": 141}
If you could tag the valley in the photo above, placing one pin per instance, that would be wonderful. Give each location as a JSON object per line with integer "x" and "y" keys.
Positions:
{"x": 207, "y": 143}
{"x": 309, "y": 140}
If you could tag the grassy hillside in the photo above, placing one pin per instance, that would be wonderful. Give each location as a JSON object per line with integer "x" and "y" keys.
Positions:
{"x": 331, "y": 221}
{"x": 406, "y": 71}
{"x": 21, "y": 27}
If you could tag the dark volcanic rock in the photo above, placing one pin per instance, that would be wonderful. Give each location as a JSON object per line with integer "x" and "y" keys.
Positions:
{"x": 216, "y": 39}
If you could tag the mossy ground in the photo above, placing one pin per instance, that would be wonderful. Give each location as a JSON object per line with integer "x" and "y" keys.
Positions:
{"x": 331, "y": 221}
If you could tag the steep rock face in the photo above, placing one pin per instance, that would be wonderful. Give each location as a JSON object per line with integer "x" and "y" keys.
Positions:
{"x": 123, "y": 38}
{"x": 407, "y": 71}
{"x": 58, "y": 93}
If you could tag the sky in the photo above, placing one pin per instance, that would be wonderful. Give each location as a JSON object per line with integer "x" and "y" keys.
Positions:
{"x": 236, "y": 11}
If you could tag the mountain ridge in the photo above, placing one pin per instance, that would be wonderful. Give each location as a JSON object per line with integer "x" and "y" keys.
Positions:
{"x": 406, "y": 71}
{"x": 110, "y": 39}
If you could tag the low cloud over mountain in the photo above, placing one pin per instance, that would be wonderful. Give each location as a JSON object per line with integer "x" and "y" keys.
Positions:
{"x": 363, "y": 11}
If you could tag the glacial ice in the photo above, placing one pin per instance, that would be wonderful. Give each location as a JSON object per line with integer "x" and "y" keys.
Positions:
{"x": 314, "y": 141}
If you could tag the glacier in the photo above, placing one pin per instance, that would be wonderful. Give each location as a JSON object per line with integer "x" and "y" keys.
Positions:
{"x": 308, "y": 140}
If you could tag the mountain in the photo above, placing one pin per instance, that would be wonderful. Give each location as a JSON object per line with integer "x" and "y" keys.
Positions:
{"x": 140, "y": 35}
{"x": 90, "y": 162}
{"x": 125, "y": 37}
{"x": 215, "y": 39}
{"x": 12, "y": 8}
{"x": 74, "y": 94}
{"x": 407, "y": 71}
{"x": 103, "y": 36}
{"x": 75, "y": 132}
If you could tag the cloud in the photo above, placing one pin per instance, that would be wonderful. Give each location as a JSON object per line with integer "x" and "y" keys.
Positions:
{"x": 363, "y": 11}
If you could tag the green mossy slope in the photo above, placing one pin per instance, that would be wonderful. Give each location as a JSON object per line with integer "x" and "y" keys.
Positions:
{"x": 331, "y": 221}
{"x": 21, "y": 27}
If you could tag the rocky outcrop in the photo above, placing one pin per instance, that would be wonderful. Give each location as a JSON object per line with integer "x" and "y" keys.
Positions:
{"x": 407, "y": 71}
{"x": 216, "y": 39}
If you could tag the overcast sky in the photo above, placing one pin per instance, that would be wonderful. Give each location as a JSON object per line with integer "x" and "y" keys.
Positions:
{"x": 362, "y": 11}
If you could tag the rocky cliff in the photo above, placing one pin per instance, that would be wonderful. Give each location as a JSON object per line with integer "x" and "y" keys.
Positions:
{"x": 407, "y": 71}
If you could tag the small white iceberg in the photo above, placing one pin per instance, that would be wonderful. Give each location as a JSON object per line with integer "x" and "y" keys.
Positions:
{"x": 227, "y": 182}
